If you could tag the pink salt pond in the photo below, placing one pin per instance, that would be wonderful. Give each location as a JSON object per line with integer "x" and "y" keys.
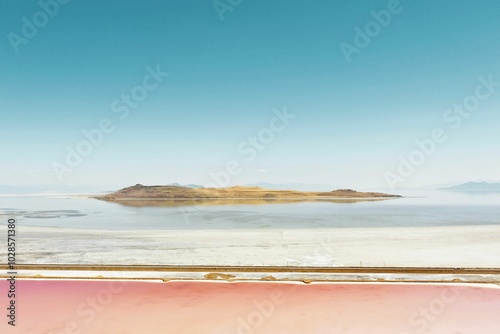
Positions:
{"x": 73, "y": 307}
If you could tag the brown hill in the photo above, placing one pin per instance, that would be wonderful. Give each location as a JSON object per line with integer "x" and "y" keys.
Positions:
{"x": 239, "y": 192}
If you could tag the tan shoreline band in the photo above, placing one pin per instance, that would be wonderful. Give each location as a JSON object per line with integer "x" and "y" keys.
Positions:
{"x": 264, "y": 269}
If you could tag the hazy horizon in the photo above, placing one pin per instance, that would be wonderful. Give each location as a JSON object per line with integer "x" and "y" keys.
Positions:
{"x": 26, "y": 189}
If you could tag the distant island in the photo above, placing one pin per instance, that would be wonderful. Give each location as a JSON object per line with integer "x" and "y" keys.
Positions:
{"x": 475, "y": 186}
{"x": 175, "y": 192}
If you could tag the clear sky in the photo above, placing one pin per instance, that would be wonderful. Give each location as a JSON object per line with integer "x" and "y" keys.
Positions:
{"x": 355, "y": 112}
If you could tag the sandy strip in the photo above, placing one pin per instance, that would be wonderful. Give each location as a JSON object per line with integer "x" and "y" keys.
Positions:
{"x": 457, "y": 246}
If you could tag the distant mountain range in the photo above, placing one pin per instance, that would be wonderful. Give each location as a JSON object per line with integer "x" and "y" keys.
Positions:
{"x": 52, "y": 189}
{"x": 272, "y": 186}
{"x": 475, "y": 186}
{"x": 294, "y": 186}
{"x": 74, "y": 189}
{"x": 192, "y": 186}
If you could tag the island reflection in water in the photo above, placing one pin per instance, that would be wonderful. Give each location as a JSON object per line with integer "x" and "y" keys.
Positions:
{"x": 220, "y": 202}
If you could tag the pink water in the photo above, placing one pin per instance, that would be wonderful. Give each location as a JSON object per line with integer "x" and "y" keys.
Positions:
{"x": 73, "y": 307}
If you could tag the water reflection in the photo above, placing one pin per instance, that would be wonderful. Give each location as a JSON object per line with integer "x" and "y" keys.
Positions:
{"x": 221, "y": 202}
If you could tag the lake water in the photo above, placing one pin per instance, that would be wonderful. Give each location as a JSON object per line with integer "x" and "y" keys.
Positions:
{"x": 432, "y": 208}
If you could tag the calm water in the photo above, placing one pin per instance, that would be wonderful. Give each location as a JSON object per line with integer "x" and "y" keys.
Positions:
{"x": 437, "y": 208}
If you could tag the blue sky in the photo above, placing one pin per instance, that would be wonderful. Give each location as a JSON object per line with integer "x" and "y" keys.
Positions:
{"x": 353, "y": 120}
